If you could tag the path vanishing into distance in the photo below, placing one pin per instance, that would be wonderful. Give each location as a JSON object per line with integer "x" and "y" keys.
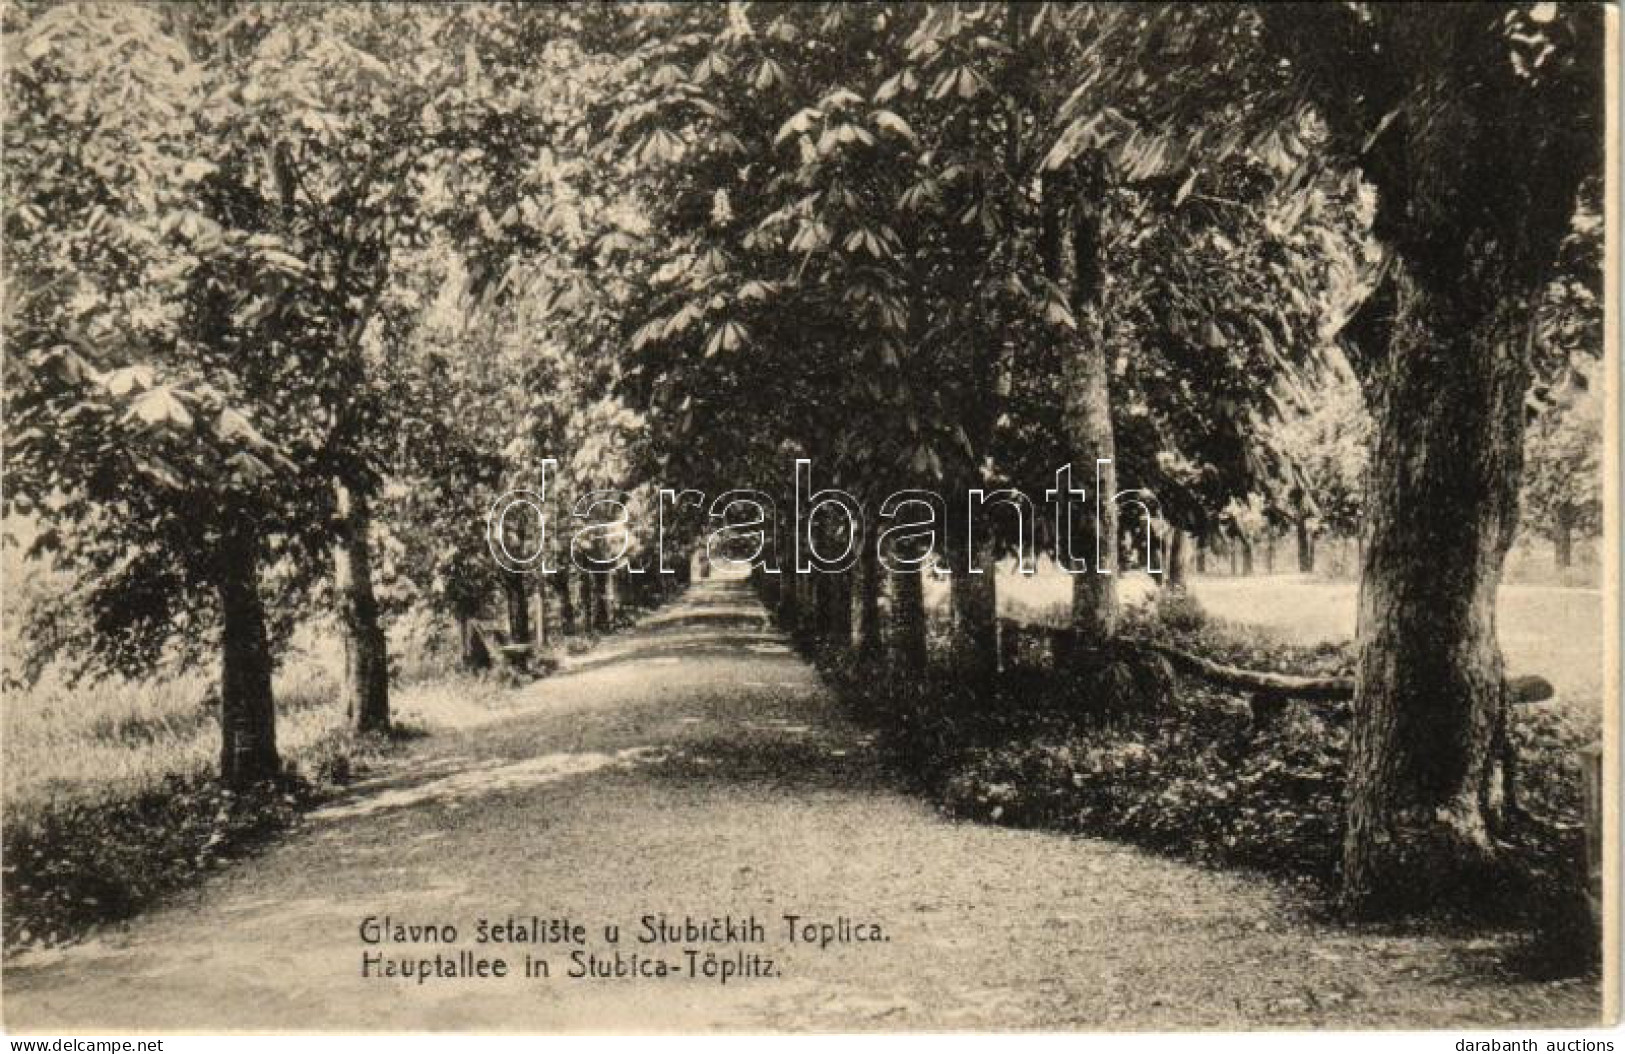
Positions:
{"x": 696, "y": 766}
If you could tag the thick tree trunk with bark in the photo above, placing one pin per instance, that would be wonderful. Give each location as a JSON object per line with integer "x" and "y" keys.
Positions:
{"x": 248, "y": 752}
{"x": 1246, "y": 545}
{"x": 1072, "y": 239}
{"x": 1442, "y": 510}
{"x": 1176, "y": 572}
{"x": 1306, "y": 546}
{"x": 1476, "y": 165}
{"x": 366, "y": 674}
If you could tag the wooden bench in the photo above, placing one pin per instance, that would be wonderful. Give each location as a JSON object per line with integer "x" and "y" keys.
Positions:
{"x": 518, "y": 657}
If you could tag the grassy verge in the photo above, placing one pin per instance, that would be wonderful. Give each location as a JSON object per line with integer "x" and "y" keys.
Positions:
{"x": 110, "y": 793}
{"x": 109, "y": 789}
{"x": 111, "y": 799}
{"x": 80, "y": 862}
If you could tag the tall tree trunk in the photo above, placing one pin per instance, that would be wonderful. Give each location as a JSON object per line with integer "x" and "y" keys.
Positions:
{"x": 974, "y": 644}
{"x": 836, "y": 606}
{"x": 871, "y": 643}
{"x": 1235, "y": 556}
{"x": 475, "y": 655}
{"x": 621, "y": 588}
{"x": 602, "y": 617}
{"x": 1201, "y": 556}
{"x": 1476, "y": 165}
{"x": 1072, "y": 238}
{"x": 562, "y": 580}
{"x": 1565, "y": 537}
{"x": 807, "y": 601}
{"x": 1306, "y": 546}
{"x": 366, "y": 680}
{"x": 247, "y": 709}
{"x": 542, "y": 613}
{"x": 1246, "y": 545}
{"x": 1442, "y": 508}
{"x": 907, "y": 636}
{"x": 591, "y": 603}
{"x": 1175, "y": 573}
{"x": 813, "y": 601}
{"x": 518, "y": 602}
{"x": 1269, "y": 551}
{"x": 786, "y": 606}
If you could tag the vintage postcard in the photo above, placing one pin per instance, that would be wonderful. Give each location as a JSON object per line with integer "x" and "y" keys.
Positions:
{"x": 810, "y": 517}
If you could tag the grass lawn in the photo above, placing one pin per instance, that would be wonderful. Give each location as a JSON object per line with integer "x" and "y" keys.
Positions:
{"x": 1554, "y": 631}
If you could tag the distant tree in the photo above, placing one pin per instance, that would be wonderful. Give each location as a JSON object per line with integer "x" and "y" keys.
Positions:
{"x": 1326, "y": 444}
{"x": 1562, "y": 492}
{"x": 1562, "y": 485}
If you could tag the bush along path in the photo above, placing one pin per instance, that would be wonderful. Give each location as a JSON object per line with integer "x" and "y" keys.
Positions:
{"x": 73, "y": 865}
{"x": 1196, "y": 769}
{"x": 697, "y": 767}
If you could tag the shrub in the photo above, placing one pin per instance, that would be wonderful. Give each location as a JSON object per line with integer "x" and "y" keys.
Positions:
{"x": 1200, "y": 781}
{"x": 1199, "y": 776}
{"x": 1178, "y": 611}
{"x": 86, "y": 863}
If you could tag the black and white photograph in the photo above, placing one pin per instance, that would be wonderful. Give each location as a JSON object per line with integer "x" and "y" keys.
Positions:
{"x": 716, "y": 518}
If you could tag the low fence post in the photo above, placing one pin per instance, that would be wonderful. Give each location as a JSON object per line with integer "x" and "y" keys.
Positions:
{"x": 1591, "y": 771}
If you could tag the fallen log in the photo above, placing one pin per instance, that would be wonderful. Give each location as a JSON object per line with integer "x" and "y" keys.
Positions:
{"x": 1336, "y": 689}
{"x": 1528, "y": 688}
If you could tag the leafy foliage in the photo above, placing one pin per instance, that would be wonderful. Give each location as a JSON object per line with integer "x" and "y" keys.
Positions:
{"x": 267, "y": 265}
{"x": 1562, "y": 489}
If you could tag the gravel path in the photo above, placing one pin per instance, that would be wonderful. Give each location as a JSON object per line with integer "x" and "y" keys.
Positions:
{"x": 695, "y": 766}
